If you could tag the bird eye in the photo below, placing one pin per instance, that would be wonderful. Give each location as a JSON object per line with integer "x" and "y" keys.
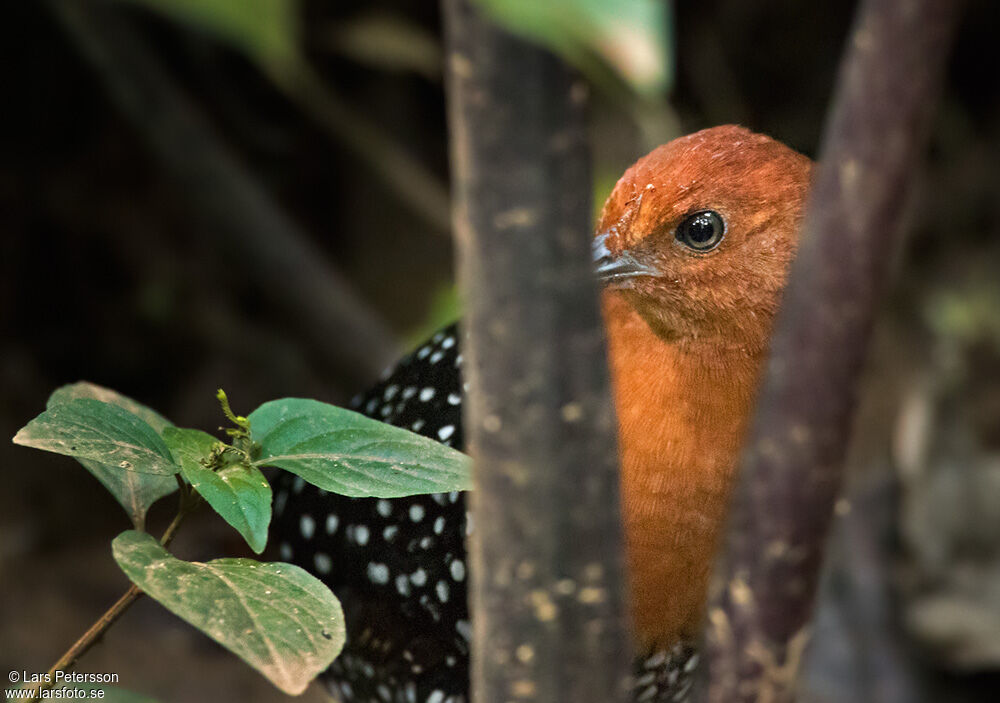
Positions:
{"x": 701, "y": 231}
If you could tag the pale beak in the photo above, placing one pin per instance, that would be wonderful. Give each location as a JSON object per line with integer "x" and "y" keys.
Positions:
{"x": 612, "y": 269}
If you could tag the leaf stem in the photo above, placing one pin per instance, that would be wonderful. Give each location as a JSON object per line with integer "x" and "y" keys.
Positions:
{"x": 94, "y": 633}
{"x": 168, "y": 534}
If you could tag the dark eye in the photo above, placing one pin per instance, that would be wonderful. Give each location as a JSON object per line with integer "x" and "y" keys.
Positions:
{"x": 702, "y": 230}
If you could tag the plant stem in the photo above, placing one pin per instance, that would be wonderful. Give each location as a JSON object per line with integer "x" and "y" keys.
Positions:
{"x": 168, "y": 534}
{"x": 89, "y": 638}
{"x": 94, "y": 633}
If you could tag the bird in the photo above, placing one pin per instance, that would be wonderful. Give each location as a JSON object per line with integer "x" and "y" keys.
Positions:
{"x": 692, "y": 251}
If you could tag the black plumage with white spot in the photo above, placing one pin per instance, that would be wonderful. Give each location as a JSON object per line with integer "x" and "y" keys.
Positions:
{"x": 399, "y": 567}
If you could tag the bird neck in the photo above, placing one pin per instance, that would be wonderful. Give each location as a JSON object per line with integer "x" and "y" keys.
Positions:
{"x": 683, "y": 409}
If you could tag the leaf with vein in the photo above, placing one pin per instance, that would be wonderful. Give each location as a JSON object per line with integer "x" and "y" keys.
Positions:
{"x": 85, "y": 428}
{"x": 134, "y": 491}
{"x": 347, "y": 453}
{"x": 276, "y": 617}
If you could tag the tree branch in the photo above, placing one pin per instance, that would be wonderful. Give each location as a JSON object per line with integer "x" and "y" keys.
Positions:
{"x": 763, "y": 590}
{"x": 547, "y": 591}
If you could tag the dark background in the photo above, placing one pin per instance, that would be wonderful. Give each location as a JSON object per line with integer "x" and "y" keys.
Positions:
{"x": 110, "y": 271}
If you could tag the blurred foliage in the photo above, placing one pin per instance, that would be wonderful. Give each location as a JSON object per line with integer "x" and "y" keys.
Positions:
{"x": 267, "y": 30}
{"x": 608, "y": 40}
{"x": 445, "y": 307}
{"x": 628, "y": 36}
{"x": 604, "y": 182}
{"x": 388, "y": 42}
{"x": 967, "y": 311}
{"x": 624, "y": 47}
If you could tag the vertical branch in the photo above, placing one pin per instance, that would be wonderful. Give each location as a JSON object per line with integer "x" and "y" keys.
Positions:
{"x": 859, "y": 652}
{"x": 547, "y": 592}
{"x": 763, "y": 592}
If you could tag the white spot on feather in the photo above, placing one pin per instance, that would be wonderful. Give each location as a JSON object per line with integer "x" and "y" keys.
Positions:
{"x": 307, "y": 526}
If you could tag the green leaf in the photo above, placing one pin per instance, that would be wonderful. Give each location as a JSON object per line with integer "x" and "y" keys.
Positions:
{"x": 239, "y": 493}
{"x": 85, "y": 389}
{"x": 276, "y": 617}
{"x": 189, "y": 446}
{"x": 264, "y": 29}
{"x": 630, "y": 36}
{"x": 134, "y": 491}
{"x": 350, "y": 454}
{"x": 103, "y": 432}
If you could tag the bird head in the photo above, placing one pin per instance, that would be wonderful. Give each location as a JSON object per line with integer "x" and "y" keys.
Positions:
{"x": 698, "y": 234}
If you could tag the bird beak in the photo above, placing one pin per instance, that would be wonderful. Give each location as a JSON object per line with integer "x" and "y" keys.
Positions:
{"x": 611, "y": 269}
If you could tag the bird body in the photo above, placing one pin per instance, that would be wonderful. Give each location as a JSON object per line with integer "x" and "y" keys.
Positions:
{"x": 677, "y": 457}
{"x": 693, "y": 248}
{"x": 687, "y": 347}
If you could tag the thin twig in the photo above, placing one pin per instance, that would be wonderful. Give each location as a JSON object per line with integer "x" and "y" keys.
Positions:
{"x": 188, "y": 502}
{"x": 88, "y": 639}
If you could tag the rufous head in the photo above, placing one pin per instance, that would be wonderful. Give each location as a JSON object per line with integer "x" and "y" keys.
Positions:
{"x": 698, "y": 235}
